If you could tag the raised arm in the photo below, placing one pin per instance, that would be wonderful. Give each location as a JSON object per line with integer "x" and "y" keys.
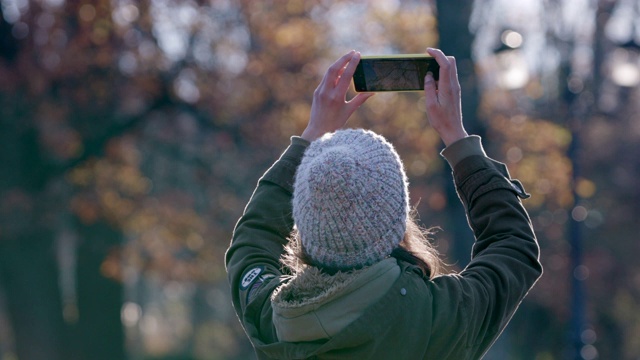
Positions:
{"x": 504, "y": 264}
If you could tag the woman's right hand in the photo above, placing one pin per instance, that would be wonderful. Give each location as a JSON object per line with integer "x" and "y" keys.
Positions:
{"x": 330, "y": 110}
{"x": 443, "y": 99}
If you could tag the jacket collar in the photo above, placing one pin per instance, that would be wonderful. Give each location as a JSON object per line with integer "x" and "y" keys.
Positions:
{"x": 314, "y": 305}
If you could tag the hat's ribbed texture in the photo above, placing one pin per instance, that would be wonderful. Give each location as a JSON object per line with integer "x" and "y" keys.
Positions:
{"x": 350, "y": 200}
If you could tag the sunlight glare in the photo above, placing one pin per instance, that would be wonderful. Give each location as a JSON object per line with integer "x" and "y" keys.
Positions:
{"x": 130, "y": 314}
{"x": 171, "y": 26}
{"x": 13, "y": 9}
{"x": 386, "y": 6}
{"x": 185, "y": 86}
{"x": 624, "y": 67}
{"x": 512, "y": 39}
{"x": 124, "y": 15}
{"x": 514, "y": 71}
{"x": 626, "y": 75}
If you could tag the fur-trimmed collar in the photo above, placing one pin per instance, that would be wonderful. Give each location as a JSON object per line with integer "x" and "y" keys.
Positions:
{"x": 314, "y": 305}
{"x": 312, "y": 285}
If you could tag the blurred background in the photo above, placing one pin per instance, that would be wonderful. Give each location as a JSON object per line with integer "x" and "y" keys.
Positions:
{"x": 132, "y": 134}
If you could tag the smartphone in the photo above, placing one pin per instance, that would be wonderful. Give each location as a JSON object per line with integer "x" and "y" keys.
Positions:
{"x": 394, "y": 72}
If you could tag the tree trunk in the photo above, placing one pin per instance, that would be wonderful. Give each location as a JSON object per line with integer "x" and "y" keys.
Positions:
{"x": 29, "y": 272}
{"x": 29, "y": 276}
{"x": 100, "y": 334}
{"x": 456, "y": 40}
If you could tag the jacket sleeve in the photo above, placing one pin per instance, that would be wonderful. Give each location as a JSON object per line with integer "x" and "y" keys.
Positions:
{"x": 505, "y": 257}
{"x": 252, "y": 259}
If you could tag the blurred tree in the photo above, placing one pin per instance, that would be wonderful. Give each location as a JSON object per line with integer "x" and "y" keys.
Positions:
{"x": 548, "y": 129}
{"x": 99, "y": 331}
{"x": 28, "y": 269}
{"x": 456, "y": 39}
{"x": 133, "y": 133}
{"x": 58, "y": 112}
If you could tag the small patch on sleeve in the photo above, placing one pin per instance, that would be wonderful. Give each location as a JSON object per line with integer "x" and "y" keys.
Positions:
{"x": 251, "y": 282}
{"x": 250, "y": 277}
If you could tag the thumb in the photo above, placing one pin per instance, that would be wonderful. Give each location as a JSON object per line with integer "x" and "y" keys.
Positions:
{"x": 358, "y": 100}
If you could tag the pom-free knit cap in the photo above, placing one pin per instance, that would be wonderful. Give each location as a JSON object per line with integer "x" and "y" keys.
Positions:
{"x": 350, "y": 200}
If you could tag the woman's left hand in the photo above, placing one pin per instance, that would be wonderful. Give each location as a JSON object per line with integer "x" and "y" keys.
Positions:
{"x": 330, "y": 110}
{"x": 444, "y": 107}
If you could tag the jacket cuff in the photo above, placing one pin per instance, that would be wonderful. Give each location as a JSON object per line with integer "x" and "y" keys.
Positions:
{"x": 477, "y": 175}
{"x": 283, "y": 171}
{"x": 463, "y": 148}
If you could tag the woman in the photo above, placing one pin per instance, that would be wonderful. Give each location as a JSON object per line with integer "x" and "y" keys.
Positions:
{"x": 355, "y": 280}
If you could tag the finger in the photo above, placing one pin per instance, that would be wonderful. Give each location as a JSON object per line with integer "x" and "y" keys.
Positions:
{"x": 443, "y": 62}
{"x": 358, "y": 100}
{"x": 341, "y": 71}
{"x": 335, "y": 81}
{"x": 430, "y": 92}
{"x": 453, "y": 80}
{"x": 345, "y": 78}
{"x": 334, "y": 70}
{"x": 438, "y": 55}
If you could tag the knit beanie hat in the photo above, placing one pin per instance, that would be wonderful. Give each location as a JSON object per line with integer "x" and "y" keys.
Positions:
{"x": 350, "y": 199}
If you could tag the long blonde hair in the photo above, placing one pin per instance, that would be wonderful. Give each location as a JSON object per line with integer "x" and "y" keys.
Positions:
{"x": 415, "y": 248}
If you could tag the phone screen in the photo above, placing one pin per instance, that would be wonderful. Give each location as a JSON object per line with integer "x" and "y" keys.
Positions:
{"x": 385, "y": 73}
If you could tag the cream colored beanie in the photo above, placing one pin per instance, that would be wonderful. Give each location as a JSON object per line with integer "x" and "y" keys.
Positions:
{"x": 350, "y": 200}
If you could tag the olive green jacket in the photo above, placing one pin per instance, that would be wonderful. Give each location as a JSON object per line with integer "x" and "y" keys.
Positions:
{"x": 388, "y": 310}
